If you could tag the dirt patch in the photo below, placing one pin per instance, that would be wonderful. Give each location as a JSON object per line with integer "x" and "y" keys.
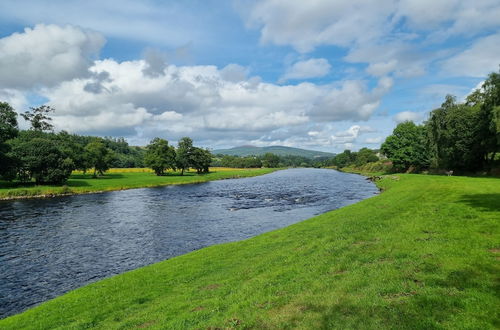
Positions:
{"x": 197, "y": 309}
{"x": 146, "y": 324}
{"x": 212, "y": 287}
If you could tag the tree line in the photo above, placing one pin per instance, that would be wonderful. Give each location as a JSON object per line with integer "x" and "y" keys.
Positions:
{"x": 267, "y": 160}
{"x": 38, "y": 154}
{"x": 458, "y": 136}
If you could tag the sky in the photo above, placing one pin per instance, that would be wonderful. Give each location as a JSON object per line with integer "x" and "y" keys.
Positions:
{"x": 326, "y": 75}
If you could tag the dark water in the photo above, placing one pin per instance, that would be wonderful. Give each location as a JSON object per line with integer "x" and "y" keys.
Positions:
{"x": 50, "y": 246}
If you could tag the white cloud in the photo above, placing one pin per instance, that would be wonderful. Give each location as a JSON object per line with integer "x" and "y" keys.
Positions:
{"x": 374, "y": 140}
{"x": 408, "y": 116}
{"x": 201, "y": 100}
{"x": 312, "y": 68}
{"x": 47, "y": 55}
{"x": 478, "y": 60}
{"x": 352, "y": 101}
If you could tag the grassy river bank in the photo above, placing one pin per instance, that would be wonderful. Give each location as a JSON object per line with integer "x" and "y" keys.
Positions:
{"x": 422, "y": 255}
{"x": 119, "y": 179}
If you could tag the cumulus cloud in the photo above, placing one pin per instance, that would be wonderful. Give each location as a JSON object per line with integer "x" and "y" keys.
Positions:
{"x": 352, "y": 101}
{"x": 387, "y": 34}
{"x": 47, "y": 55}
{"x": 478, "y": 60}
{"x": 202, "y": 100}
{"x": 408, "y": 116}
{"x": 312, "y": 68}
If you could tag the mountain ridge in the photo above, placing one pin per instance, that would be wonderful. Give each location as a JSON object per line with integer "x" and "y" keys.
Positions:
{"x": 277, "y": 150}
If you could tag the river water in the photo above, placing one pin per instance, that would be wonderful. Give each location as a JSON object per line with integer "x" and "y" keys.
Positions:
{"x": 51, "y": 246}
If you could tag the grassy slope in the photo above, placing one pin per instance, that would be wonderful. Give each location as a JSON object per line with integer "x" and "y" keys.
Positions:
{"x": 424, "y": 254}
{"x": 119, "y": 179}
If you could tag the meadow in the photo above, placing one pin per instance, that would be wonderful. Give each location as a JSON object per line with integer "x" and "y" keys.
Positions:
{"x": 119, "y": 179}
{"x": 424, "y": 254}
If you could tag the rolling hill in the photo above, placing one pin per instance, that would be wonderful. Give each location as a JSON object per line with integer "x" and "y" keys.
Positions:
{"x": 277, "y": 150}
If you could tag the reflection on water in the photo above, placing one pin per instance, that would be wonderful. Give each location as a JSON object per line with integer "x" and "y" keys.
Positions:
{"x": 50, "y": 246}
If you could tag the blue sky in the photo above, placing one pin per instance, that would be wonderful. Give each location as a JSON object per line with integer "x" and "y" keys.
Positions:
{"x": 325, "y": 75}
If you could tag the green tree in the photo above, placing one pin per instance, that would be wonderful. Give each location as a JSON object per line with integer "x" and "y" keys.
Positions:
{"x": 40, "y": 159}
{"x": 344, "y": 159}
{"x": 456, "y": 134}
{"x": 39, "y": 119}
{"x": 201, "y": 159}
{"x": 160, "y": 156}
{"x": 184, "y": 154}
{"x": 407, "y": 147}
{"x": 364, "y": 156}
{"x": 270, "y": 160}
{"x": 99, "y": 157}
{"x": 8, "y": 130}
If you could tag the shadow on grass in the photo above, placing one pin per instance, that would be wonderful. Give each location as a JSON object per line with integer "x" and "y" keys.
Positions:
{"x": 106, "y": 176}
{"x": 485, "y": 202}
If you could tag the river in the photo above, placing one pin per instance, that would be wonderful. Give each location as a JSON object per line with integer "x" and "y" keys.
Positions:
{"x": 51, "y": 246}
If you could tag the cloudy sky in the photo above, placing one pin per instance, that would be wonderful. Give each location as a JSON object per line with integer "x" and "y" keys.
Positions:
{"x": 320, "y": 74}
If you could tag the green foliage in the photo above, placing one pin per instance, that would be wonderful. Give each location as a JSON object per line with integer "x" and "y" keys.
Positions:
{"x": 184, "y": 154}
{"x": 8, "y": 130}
{"x": 40, "y": 159}
{"x": 349, "y": 158}
{"x": 99, "y": 157}
{"x": 39, "y": 119}
{"x": 160, "y": 156}
{"x": 281, "y": 151}
{"x": 201, "y": 160}
{"x": 406, "y": 147}
{"x": 270, "y": 160}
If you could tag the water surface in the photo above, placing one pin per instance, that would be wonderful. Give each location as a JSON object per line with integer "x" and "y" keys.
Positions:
{"x": 51, "y": 246}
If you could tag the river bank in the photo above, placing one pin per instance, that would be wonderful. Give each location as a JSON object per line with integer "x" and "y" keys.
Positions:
{"x": 120, "y": 179}
{"x": 423, "y": 254}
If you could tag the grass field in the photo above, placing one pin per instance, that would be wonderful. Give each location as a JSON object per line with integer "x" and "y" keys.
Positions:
{"x": 120, "y": 178}
{"x": 422, "y": 255}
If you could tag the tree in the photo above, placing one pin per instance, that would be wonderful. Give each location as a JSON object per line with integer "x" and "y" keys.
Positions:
{"x": 184, "y": 154}
{"x": 364, "y": 156}
{"x": 99, "y": 157}
{"x": 8, "y": 130}
{"x": 270, "y": 160}
{"x": 39, "y": 119}
{"x": 456, "y": 134}
{"x": 344, "y": 159}
{"x": 160, "y": 156}
{"x": 407, "y": 147}
{"x": 41, "y": 160}
{"x": 201, "y": 159}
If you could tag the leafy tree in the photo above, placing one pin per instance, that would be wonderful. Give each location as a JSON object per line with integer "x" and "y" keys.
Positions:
{"x": 344, "y": 159}
{"x": 407, "y": 147}
{"x": 456, "y": 134}
{"x": 201, "y": 159}
{"x": 184, "y": 154}
{"x": 99, "y": 157}
{"x": 39, "y": 119}
{"x": 364, "y": 156}
{"x": 41, "y": 160}
{"x": 160, "y": 156}
{"x": 270, "y": 160}
{"x": 8, "y": 130}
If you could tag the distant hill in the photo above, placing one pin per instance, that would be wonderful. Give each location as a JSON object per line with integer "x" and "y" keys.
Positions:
{"x": 277, "y": 150}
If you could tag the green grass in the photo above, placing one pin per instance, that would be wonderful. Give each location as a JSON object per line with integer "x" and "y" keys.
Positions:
{"x": 119, "y": 179}
{"x": 422, "y": 255}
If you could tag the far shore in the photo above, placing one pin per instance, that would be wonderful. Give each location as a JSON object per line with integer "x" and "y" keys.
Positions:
{"x": 120, "y": 179}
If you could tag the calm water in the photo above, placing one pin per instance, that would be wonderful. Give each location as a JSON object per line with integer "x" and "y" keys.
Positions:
{"x": 50, "y": 246}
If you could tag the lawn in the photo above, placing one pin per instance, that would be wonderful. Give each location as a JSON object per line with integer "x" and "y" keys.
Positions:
{"x": 422, "y": 255}
{"x": 118, "y": 179}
